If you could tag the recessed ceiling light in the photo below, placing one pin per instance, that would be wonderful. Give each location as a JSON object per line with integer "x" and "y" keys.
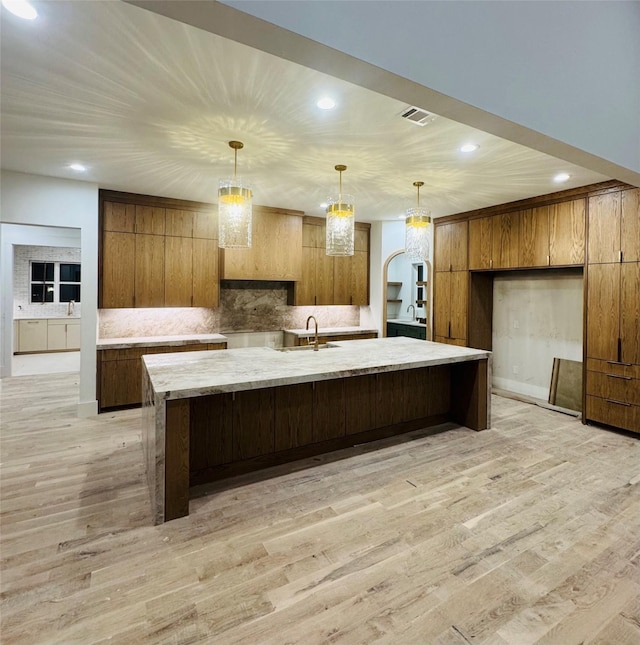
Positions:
{"x": 469, "y": 147}
{"x": 78, "y": 167}
{"x": 20, "y": 8}
{"x": 326, "y": 103}
{"x": 561, "y": 177}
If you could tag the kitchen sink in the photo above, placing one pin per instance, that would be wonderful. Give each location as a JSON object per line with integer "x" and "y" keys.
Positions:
{"x": 302, "y": 348}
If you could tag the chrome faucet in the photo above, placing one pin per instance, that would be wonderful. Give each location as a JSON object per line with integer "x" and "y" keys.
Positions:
{"x": 413, "y": 317}
{"x": 315, "y": 343}
{"x": 71, "y": 307}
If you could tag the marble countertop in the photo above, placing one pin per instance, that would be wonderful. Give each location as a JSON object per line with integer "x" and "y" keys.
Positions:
{"x": 328, "y": 331}
{"x": 183, "y": 375}
{"x": 401, "y": 321}
{"x": 154, "y": 341}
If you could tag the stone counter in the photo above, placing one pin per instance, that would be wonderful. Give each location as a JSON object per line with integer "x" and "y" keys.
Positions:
{"x": 156, "y": 341}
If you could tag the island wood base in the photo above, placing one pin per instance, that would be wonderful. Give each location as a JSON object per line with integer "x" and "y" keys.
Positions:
{"x": 216, "y": 436}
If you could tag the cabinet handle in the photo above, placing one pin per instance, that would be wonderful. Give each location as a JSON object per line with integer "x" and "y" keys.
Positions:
{"x": 450, "y": 267}
{"x": 491, "y": 263}
{"x": 548, "y": 260}
{"x": 620, "y": 255}
{"x": 625, "y": 378}
{"x": 626, "y": 405}
{"x": 449, "y": 334}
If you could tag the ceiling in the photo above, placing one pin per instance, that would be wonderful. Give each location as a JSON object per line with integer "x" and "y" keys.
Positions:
{"x": 148, "y": 104}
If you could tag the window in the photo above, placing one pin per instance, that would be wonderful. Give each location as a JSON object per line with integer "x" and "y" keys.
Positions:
{"x": 55, "y": 282}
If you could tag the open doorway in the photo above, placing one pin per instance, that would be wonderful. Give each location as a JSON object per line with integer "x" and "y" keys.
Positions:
{"x": 42, "y": 298}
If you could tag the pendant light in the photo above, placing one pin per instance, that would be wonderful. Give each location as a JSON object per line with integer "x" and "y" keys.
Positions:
{"x": 418, "y": 223}
{"x": 340, "y": 221}
{"x": 234, "y": 209}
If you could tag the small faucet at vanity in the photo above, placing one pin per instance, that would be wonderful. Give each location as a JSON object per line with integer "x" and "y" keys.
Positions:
{"x": 71, "y": 307}
{"x": 413, "y": 316}
{"x": 315, "y": 343}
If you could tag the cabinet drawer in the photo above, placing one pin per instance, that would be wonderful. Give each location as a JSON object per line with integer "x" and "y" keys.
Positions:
{"x": 612, "y": 386}
{"x": 619, "y": 415}
{"x": 611, "y": 367}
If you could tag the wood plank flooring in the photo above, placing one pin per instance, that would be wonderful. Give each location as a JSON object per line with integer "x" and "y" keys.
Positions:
{"x": 526, "y": 533}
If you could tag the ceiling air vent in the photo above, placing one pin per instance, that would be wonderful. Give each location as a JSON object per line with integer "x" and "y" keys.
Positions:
{"x": 417, "y": 115}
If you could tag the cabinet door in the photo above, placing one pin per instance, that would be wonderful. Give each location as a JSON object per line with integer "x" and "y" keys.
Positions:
{"x": 306, "y": 287}
{"x": 504, "y": 241}
{"x": 119, "y": 217}
{"x": 205, "y": 225}
{"x": 178, "y": 271}
{"x": 324, "y": 278}
{"x": 206, "y": 285}
{"x": 630, "y": 225}
{"x": 567, "y": 232}
{"x": 360, "y": 278}
{"x": 603, "y": 311}
{"x": 33, "y": 335}
{"x": 458, "y": 238}
{"x": 604, "y": 228}
{"x": 480, "y": 243}
{"x": 534, "y": 237}
{"x": 459, "y": 291}
{"x": 630, "y": 312}
{"x": 442, "y": 250}
{"x": 118, "y": 270}
{"x": 73, "y": 335}
{"x": 56, "y": 335}
{"x": 342, "y": 270}
{"x": 149, "y": 273}
{"x": 442, "y": 303}
{"x": 120, "y": 382}
{"x": 178, "y": 223}
{"x": 150, "y": 220}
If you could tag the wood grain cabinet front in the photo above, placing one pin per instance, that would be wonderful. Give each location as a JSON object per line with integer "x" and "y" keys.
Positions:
{"x": 155, "y": 255}
{"x": 119, "y": 379}
{"x": 451, "y": 307}
{"x": 451, "y": 244}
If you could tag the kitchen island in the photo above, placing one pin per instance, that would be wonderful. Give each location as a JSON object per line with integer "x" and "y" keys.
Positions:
{"x": 209, "y": 415}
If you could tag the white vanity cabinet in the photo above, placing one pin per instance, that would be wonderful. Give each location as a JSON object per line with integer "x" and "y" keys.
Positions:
{"x": 33, "y": 335}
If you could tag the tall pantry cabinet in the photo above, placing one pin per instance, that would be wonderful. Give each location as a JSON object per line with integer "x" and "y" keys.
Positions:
{"x": 613, "y": 310}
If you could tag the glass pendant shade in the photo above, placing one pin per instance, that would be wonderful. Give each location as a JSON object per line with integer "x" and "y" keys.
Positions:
{"x": 234, "y": 215}
{"x": 417, "y": 225}
{"x": 234, "y": 209}
{"x": 340, "y": 222}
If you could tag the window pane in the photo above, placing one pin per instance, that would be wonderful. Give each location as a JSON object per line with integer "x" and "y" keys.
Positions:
{"x": 48, "y": 271}
{"x": 37, "y": 271}
{"x": 69, "y": 292}
{"x": 69, "y": 273}
{"x": 48, "y": 293}
{"x": 37, "y": 291}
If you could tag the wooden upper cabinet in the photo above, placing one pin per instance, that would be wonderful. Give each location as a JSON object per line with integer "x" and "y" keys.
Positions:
{"x": 629, "y": 312}
{"x": 149, "y": 275}
{"x": 603, "y": 311}
{"x": 567, "y": 232}
{"x": 504, "y": 240}
{"x": 119, "y": 217}
{"x": 604, "y": 228}
{"x": 534, "y": 237}
{"x": 150, "y": 220}
{"x": 630, "y": 225}
{"x": 117, "y": 286}
{"x": 480, "y": 243}
{"x": 205, "y": 224}
{"x": 275, "y": 253}
{"x": 206, "y": 285}
{"x": 178, "y": 222}
{"x": 451, "y": 241}
{"x": 178, "y": 271}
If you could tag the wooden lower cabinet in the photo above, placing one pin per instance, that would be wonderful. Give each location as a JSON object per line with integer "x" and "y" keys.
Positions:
{"x": 119, "y": 378}
{"x": 450, "y": 306}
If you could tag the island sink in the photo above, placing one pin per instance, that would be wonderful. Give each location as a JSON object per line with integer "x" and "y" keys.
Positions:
{"x": 213, "y": 414}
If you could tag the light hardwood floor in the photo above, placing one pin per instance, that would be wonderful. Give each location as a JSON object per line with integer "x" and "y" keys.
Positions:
{"x": 525, "y": 533}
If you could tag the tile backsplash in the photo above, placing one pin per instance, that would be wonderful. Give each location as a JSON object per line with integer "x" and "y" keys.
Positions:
{"x": 22, "y": 257}
{"x": 240, "y": 310}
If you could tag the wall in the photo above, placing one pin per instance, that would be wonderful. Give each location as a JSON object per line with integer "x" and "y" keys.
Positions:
{"x": 23, "y": 255}
{"x": 525, "y": 71}
{"x": 47, "y": 201}
{"x": 536, "y": 316}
